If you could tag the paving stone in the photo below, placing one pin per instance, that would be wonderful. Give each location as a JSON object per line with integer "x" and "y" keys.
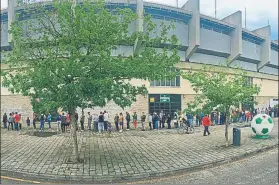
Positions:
{"x": 128, "y": 153}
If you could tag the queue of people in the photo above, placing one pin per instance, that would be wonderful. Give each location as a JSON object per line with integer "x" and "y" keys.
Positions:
{"x": 100, "y": 122}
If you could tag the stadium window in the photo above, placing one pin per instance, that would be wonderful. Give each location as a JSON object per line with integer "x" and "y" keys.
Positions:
{"x": 175, "y": 82}
{"x": 157, "y": 83}
{"x": 168, "y": 82}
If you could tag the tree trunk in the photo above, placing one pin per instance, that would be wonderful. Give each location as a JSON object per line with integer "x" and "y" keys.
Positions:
{"x": 74, "y": 135}
{"x": 226, "y": 129}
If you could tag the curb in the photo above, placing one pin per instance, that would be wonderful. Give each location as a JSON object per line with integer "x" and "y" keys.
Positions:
{"x": 121, "y": 178}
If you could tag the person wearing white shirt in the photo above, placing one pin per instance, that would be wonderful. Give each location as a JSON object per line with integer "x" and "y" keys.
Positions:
{"x": 106, "y": 117}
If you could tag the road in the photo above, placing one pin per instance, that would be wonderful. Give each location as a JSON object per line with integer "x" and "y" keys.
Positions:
{"x": 258, "y": 169}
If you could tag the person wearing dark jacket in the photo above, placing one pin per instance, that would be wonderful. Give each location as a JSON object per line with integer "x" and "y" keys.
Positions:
{"x": 34, "y": 119}
{"x": 116, "y": 120}
{"x": 153, "y": 120}
{"x": 128, "y": 119}
{"x": 5, "y": 120}
{"x": 163, "y": 120}
{"x": 63, "y": 122}
{"x": 76, "y": 120}
{"x": 82, "y": 121}
{"x": 42, "y": 120}
{"x": 169, "y": 121}
{"x": 101, "y": 121}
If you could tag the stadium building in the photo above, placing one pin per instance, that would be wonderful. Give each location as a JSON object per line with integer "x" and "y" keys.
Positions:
{"x": 204, "y": 40}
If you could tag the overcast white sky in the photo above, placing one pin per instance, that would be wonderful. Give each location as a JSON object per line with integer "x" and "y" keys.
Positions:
{"x": 258, "y": 12}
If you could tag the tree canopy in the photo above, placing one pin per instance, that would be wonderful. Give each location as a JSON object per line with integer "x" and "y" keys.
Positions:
{"x": 219, "y": 88}
{"x": 67, "y": 59}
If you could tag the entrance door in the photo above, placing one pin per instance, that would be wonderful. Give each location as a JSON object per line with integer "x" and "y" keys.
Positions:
{"x": 167, "y": 107}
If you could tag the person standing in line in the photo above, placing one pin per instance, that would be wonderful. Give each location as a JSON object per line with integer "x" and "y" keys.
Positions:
{"x": 101, "y": 123}
{"x": 156, "y": 119}
{"x": 11, "y": 122}
{"x": 128, "y": 119}
{"x": 212, "y": 118}
{"x": 164, "y": 118}
{"x": 68, "y": 120}
{"x": 190, "y": 119}
{"x": 19, "y": 122}
{"x": 106, "y": 117}
{"x": 82, "y": 121}
{"x": 153, "y": 120}
{"x": 206, "y": 124}
{"x": 248, "y": 115}
{"x": 89, "y": 121}
{"x": 150, "y": 122}
{"x": 143, "y": 118}
{"x": 109, "y": 128}
{"x": 28, "y": 123}
{"x": 34, "y": 119}
{"x": 58, "y": 120}
{"x": 49, "y": 120}
{"x": 169, "y": 121}
{"x": 42, "y": 121}
{"x": 161, "y": 118}
{"x": 116, "y": 119}
{"x": 5, "y": 120}
{"x": 221, "y": 118}
{"x": 197, "y": 120}
{"x": 135, "y": 118}
{"x": 95, "y": 118}
{"x": 121, "y": 121}
{"x": 16, "y": 121}
{"x": 175, "y": 120}
{"x": 63, "y": 122}
{"x": 76, "y": 120}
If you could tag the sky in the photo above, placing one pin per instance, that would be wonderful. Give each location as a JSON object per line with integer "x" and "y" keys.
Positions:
{"x": 259, "y": 13}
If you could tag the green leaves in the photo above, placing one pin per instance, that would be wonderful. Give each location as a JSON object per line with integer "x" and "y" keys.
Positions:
{"x": 221, "y": 89}
{"x": 67, "y": 60}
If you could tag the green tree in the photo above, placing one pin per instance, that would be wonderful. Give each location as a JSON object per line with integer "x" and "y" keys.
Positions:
{"x": 220, "y": 89}
{"x": 65, "y": 56}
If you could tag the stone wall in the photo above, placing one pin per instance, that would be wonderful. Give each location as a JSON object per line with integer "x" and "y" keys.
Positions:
{"x": 263, "y": 101}
{"x": 187, "y": 98}
{"x": 21, "y": 104}
{"x": 16, "y": 103}
{"x": 141, "y": 105}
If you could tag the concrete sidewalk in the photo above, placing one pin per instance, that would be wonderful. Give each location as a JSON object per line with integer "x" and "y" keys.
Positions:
{"x": 124, "y": 156}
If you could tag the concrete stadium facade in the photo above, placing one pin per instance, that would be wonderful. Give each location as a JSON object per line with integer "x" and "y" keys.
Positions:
{"x": 204, "y": 40}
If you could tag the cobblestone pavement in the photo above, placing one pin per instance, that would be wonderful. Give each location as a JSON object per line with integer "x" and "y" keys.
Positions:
{"x": 128, "y": 155}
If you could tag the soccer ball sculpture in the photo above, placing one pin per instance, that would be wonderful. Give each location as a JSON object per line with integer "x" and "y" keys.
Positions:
{"x": 262, "y": 125}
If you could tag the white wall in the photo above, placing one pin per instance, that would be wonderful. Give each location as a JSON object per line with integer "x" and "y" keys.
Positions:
{"x": 215, "y": 41}
{"x": 269, "y": 70}
{"x": 4, "y": 34}
{"x": 207, "y": 59}
{"x": 181, "y": 30}
{"x": 251, "y": 50}
{"x": 245, "y": 65}
{"x": 274, "y": 57}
